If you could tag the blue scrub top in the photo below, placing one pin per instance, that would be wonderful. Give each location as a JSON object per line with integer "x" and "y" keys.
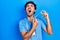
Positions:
{"x": 26, "y": 25}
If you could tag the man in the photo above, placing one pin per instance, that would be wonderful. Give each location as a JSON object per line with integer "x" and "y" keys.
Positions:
{"x": 31, "y": 27}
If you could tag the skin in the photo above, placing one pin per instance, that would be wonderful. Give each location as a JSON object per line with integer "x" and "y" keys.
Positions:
{"x": 48, "y": 29}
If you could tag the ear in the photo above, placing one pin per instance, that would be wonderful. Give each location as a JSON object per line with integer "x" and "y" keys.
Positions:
{"x": 35, "y": 10}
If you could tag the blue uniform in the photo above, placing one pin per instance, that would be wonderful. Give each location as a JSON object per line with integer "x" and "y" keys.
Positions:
{"x": 26, "y": 25}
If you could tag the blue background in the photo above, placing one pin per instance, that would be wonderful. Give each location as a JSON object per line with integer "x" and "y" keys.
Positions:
{"x": 11, "y": 11}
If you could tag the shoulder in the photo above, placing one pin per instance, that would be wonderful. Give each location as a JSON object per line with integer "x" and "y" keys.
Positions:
{"x": 39, "y": 20}
{"x": 22, "y": 21}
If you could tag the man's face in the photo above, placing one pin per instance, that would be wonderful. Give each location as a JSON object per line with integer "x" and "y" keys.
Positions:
{"x": 30, "y": 9}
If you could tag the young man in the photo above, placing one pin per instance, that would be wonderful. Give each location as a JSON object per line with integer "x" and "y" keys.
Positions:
{"x": 31, "y": 27}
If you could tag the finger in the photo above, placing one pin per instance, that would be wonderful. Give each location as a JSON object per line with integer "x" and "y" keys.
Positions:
{"x": 36, "y": 20}
{"x": 43, "y": 11}
{"x": 33, "y": 20}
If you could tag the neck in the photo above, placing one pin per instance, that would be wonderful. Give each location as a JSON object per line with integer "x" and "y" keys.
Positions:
{"x": 31, "y": 18}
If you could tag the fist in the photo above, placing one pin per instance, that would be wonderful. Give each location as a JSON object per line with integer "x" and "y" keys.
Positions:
{"x": 35, "y": 22}
{"x": 45, "y": 14}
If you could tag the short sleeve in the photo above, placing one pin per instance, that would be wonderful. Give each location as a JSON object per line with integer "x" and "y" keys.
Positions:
{"x": 22, "y": 26}
{"x": 42, "y": 24}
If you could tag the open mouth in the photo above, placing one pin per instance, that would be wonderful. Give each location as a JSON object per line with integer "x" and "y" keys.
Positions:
{"x": 29, "y": 11}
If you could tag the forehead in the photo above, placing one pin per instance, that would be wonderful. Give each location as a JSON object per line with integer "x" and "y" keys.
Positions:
{"x": 30, "y": 4}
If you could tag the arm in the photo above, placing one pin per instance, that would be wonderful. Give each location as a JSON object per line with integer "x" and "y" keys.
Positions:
{"x": 48, "y": 29}
{"x": 27, "y": 35}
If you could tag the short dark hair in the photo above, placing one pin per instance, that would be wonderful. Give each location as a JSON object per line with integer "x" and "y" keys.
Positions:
{"x": 31, "y": 3}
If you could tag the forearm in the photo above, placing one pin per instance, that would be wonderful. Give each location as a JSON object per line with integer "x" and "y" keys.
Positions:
{"x": 29, "y": 34}
{"x": 49, "y": 28}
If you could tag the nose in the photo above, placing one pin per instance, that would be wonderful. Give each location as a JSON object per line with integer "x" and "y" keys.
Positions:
{"x": 29, "y": 8}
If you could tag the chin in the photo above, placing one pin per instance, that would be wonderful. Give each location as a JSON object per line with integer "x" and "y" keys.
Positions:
{"x": 29, "y": 15}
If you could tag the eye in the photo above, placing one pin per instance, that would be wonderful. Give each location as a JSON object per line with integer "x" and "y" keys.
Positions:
{"x": 31, "y": 5}
{"x": 27, "y": 5}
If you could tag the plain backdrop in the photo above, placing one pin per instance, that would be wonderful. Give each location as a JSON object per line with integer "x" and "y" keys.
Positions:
{"x": 12, "y": 11}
